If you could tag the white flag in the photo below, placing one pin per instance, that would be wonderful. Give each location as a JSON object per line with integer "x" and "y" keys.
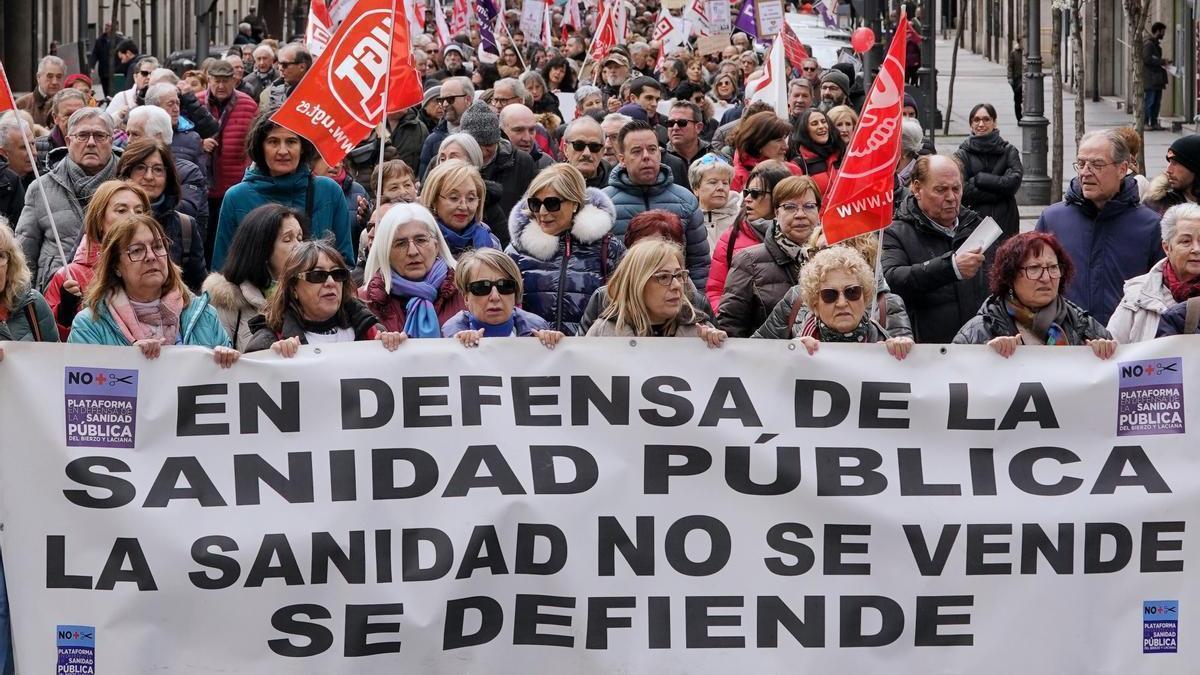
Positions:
{"x": 670, "y": 31}
{"x": 320, "y": 28}
{"x": 771, "y": 86}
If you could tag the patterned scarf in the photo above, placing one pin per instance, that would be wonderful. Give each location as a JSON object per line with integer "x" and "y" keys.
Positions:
{"x": 85, "y": 185}
{"x": 493, "y": 330}
{"x": 1180, "y": 290}
{"x": 815, "y": 328}
{"x": 421, "y": 319}
{"x": 790, "y": 248}
{"x": 475, "y": 236}
{"x": 1045, "y": 323}
{"x": 145, "y": 322}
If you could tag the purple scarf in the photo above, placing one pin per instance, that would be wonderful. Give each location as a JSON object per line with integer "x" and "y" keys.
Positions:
{"x": 421, "y": 319}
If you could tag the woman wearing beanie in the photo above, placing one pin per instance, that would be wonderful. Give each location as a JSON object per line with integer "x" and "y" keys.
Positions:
{"x": 991, "y": 171}
{"x": 819, "y": 148}
{"x": 454, "y": 193}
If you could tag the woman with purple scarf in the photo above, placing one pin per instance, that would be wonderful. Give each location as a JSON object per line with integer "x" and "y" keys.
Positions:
{"x": 491, "y": 284}
{"x": 454, "y": 193}
{"x": 410, "y": 274}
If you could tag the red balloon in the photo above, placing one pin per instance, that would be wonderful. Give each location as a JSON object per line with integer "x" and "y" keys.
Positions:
{"x": 862, "y": 39}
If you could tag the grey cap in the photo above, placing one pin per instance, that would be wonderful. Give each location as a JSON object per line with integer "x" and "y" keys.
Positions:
{"x": 837, "y": 77}
{"x": 219, "y": 68}
{"x": 482, "y": 123}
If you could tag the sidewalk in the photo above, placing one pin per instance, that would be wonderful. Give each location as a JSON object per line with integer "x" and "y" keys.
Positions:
{"x": 982, "y": 81}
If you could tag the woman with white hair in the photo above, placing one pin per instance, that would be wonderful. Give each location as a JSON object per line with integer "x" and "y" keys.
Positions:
{"x": 460, "y": 146}
{"x": 709, "y": 177}
{"x": 1172, "y": 280}
{"x": 587, "y": 99}
{"x": 410, "y": 274}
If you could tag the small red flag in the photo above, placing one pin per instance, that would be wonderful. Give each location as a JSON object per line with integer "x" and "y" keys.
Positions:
{"x": 793, "y": 49}
{"x": 340, "y": 99}
{"x": 6, "y": 98}
{"x": 860, "y": 199}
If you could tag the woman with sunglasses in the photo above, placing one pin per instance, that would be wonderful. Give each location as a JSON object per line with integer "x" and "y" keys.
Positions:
{"x": 760, "y": 275}
{"x": 753, "y": 224}
{"x": 491, "y": 284}
{"x": 562, "y": 242}
{"x": 251, "y": 274}
{"x": 455, "y": 192}
{"x": 138, "y": 297}
{"x": 315, "y": 304}
{"x": 1026, "y": 305}
{"x": 410, "y": 274}
{"x": 728, "y": 89}
{"x": 992, "y": 171}
{"x": 835, "y": 287}
{"x": 649, "y": 297}
{"x": 818, "y": 147}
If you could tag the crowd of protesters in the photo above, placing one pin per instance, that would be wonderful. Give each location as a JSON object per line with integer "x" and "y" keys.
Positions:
{"x": 176, "y": 212}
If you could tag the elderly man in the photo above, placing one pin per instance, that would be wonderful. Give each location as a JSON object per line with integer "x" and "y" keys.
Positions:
{"x": 50, "y": 73}
{"x": 800, "y": 96}
{"x": 941, "y": 287}
{"x": 684, "y": 123}
{"x": 62, "y": 106}
{"x": 68, "y": 187}
{"x": 811, "y": 71}
{"x": 611, "y": 126}
{"x": 457, "y": 94}
{"x": 228, "y": 157}
{"x": 614, "y": 71}
{"x": 520, "y": 128}
{"x": 294, "y": 62}
{"x": 148, "y": 121}
{"x": 187, "y": 143}
{"x": 452, "y": 61}
{"x": 1108, "y": 233}
{"x": 509, "y": 91}
{"x": 503, "y": 163}
{"x": 583, "y": 148}
{"x": 245, "y": 35}
{"x": 641, "y": 182}
{"x": 14, "y": 166}
{"x": 264, "y": 74}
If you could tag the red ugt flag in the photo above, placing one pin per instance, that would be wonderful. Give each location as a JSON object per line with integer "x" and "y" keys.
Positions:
{"x": 6, "y": 97}
{"x": 792, "y": 47}
{"x": 860, "y": 199}
{"x": 340, "y": 99}
{"x": 606, "y": 33}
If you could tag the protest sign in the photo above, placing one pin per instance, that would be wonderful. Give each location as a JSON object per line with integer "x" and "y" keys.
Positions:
{"x": 613, "y": 505}
{"x": 531, "y": 17}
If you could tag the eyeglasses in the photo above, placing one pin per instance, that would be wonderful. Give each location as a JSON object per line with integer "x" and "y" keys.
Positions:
{"x": 980, "y": 120}
{"x": 665, "y": 278}
{"x": 340, "y": 275}
{"x": 156, "y": 170}
{"x": 98, "y": 136}
{"x": 792, "y": 207}
{"x": 500, "y": 101}
{"x": 677, "y": 123}
{"x": 145, "y": 73}
{"x": 285, "y": 64}
{"x": 1035, "y": 272}
{"x": 449, "y": 100}
{"x": 469, "y": 200}
{"x": 829, "y": 296}
{"x": 552, "y": 204}
{"x": 579, "y": 146}
{"x": 139, "y": 252}
{"x": 756, "y": 194}
{"x": 483, "y": 287}
{"x": 1093, "y": 164}
{"x": 420, "y": 241}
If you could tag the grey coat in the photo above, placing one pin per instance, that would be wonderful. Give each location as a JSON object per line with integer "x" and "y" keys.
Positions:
{"x": 776, "y": 326}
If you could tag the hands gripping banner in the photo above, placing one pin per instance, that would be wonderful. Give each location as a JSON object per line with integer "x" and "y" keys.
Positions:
{"x": 610, "y": 506}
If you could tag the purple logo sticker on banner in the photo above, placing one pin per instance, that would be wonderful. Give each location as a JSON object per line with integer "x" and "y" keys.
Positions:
{"x": 1150, "y": 400}
{"x": 101, "y": 407}
{"x": 76, "y": 649}
{"x": 1160, "y": 627}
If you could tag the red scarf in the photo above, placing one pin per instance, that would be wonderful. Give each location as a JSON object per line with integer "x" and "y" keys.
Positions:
{"x": 1180, "y": 290}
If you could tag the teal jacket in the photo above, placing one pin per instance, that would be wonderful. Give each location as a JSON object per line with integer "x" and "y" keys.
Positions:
{"x": 201, "y": 327}
{"x": 19, "y": 328}
{"x": 328, "y": 214}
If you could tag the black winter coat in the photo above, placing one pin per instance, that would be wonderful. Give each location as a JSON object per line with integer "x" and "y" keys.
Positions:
{"x": 12, "y": 195}
{"x": 1156, "y": 74}
{"x": 993, "y": 321}
{"x": 513, "y": 169}
{"x": 758, "y": 279}
{"x": 992, "y": 177}
{"x": 192, "y": 264}
{"x": 918, "y": 266}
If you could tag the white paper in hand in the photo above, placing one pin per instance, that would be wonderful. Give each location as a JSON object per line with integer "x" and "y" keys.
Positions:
{"x": 985, "y": 234}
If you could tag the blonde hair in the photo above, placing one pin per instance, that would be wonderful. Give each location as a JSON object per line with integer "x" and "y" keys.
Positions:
{"x": 17, "y": 276}
{"x": 839, "y": 113}
{"x": 564, "y": 179}
{"x": 447, "y": 174}
{"x": 867, "y": 245}
{"x": 472, "y": 262}
{"x": 379, "y": 259}
{"x": 116, "y": 240}
{"x": 835, "y": 258}
{"x": 627, "y": 287}
{"x": 93, "y": 218}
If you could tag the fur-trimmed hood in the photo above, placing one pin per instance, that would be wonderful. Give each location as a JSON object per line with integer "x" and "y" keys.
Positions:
{"x": 231, "y": 297}
{"x": 1158, "y": 189}
{"x": 592, "y": 222}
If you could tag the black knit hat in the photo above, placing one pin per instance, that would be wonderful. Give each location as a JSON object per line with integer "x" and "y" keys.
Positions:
{"x": 1187, "y": 152}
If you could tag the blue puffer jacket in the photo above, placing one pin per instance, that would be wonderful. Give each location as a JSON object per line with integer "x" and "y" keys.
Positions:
{"x": 199, "y": 324}
{"x": 329, "y": 213}
{"x": 630, "y": 200}
{"x": 187, "y": 144}
{"x": 524, "y": 323}
{"x": 1118, "y": 242}
{"x": 561, "y": 273}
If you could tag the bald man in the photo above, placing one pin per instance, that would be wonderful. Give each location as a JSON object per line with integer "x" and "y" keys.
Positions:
{"x": 520, "y": 127}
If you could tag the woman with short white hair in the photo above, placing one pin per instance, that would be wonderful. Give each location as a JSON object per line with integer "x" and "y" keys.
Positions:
{"x": 709, "y": 177}
{"x": 1170, "y": 281}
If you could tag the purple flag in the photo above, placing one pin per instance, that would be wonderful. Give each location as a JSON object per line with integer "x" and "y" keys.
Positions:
{"x": 745, "y": 19}
{"x": 485, "y": 14}
{"x": 827, "y": 10}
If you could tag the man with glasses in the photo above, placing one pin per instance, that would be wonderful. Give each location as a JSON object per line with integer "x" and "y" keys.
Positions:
{"x": 457, "y": 94}
{"x": 684, "y": 123}
{"x": 135, "y": 95}
{"x": 50, "y": 73}
{"x": 583, "y": 148}
{"x": 1108, "y": 233}
{"x": 509, "y": 91}
{"x": 811, "y": 71}
{"x": 941, "y": 287}
{"x": 68, "y": 188}
{"x": 263, "y": 75}
{"x": 62, "y": 106}
{"x": 294, "y": 62}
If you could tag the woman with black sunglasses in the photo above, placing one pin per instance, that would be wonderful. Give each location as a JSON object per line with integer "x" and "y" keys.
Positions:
{"x": 315, "y": 304}
{"x": 410, "y": 274}
{"x": 491, "y": 284}
{"x": 563, "y": 245}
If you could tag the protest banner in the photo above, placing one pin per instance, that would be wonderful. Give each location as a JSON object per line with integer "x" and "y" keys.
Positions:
{"x": 613, "y": 505}
{"x": 531, "y": 17}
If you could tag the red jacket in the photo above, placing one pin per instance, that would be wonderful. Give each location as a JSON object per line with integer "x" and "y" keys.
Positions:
{"x": 746, "y": 237}
{"x": 742, "y": 166}
{"x": 822, "y": 171}
{"x": 390, "y": 309}
{"x": 82, "y": 269}
{"x": 229, "y": 159}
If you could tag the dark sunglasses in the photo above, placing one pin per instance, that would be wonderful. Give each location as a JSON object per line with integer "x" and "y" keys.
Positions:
{"x": 756, "y": 194}
{"x": 580, "y": 145}
{"x": 484, "y": 288}
{"x": 829, "y": 296}
{"x": 677, "y": 123}
{"x": 552, "y": 204}
{"x": 340, "y": 275}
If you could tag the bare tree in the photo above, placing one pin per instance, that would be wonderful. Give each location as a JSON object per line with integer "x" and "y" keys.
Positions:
{"x": 1077, "y": 68}
{"x": 1135, "y": 18}
{"x": 1056, "y": 101}
{"x": 958, "y": 38}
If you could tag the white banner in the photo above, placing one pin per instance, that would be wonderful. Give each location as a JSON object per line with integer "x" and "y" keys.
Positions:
{"x": 613, "y": 505}
{"x": 531, "y": 19}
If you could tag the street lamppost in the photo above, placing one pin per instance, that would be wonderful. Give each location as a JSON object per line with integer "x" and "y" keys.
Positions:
{"x": 926, "y": 89}
{"x": 1035, "y": 184}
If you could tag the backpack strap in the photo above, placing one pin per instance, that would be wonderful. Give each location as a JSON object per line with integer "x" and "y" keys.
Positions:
{"x": 1191, "y": 319}
{"x": 34, "y": 326}
{"x": 185, "y": 227}
{"x": 604, "y": 257}
{"x": 797, "y": 305}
